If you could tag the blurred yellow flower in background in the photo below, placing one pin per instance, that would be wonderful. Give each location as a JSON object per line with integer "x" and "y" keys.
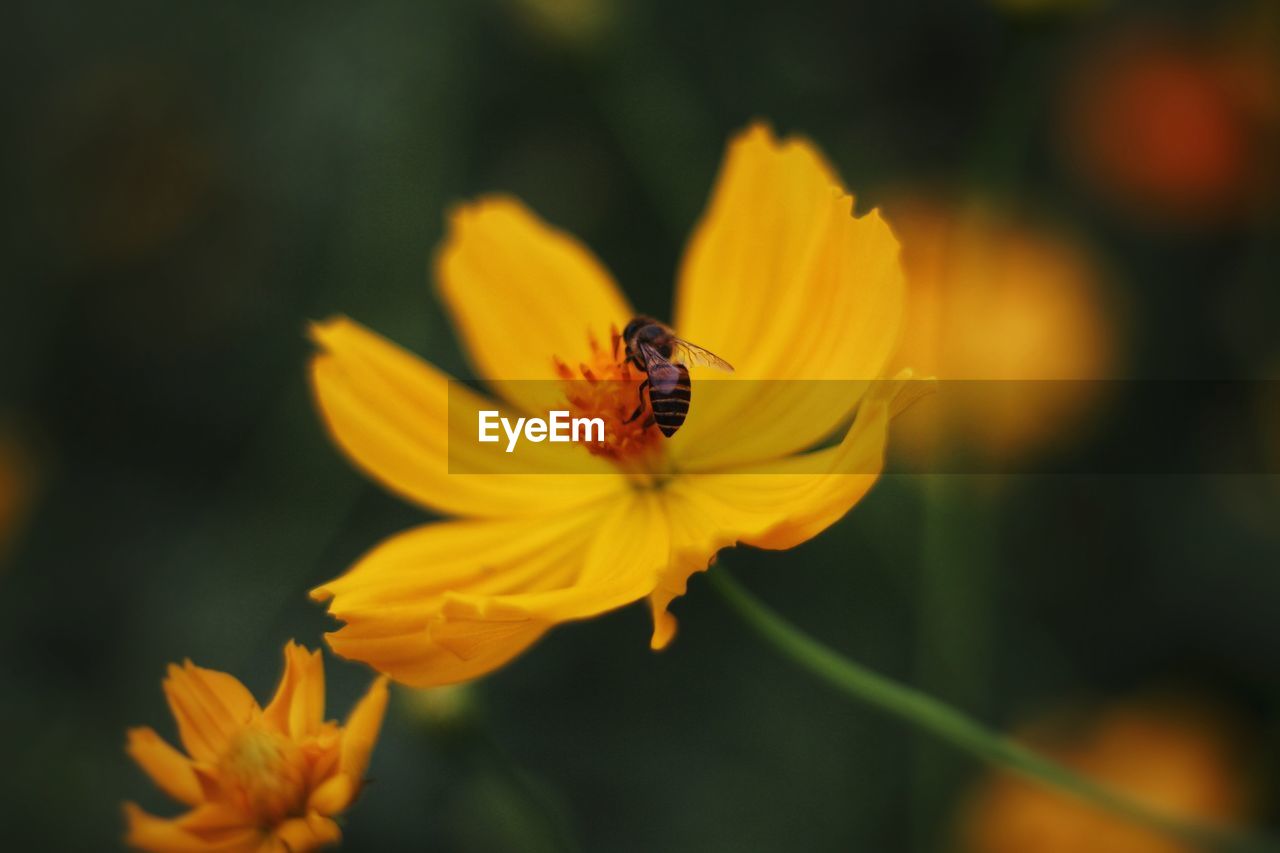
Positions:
{"x": 1014, "y": 314}
{"x": 445, "y": 707}
{"x": 1173, "y": 755}
{"x": 256, "y": 779}
{"x": 567, "y": 21}
{"x": 779, "y": 278}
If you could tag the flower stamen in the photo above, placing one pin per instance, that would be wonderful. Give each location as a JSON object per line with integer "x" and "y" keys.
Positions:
{"x": 611, "y": 391}
{"x": 269, "y": 774}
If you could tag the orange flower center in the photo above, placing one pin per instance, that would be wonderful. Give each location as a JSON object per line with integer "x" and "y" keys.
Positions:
{"x": 266, "y": 773}
{"x": 608, "y": 388}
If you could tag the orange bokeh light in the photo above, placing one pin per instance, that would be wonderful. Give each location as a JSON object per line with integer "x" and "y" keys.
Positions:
{"x": 1172, "y": 755}
{"x": 1016, "y": 307}
{"x": 1174, "y": 127}
{"x": 17, "y": 483}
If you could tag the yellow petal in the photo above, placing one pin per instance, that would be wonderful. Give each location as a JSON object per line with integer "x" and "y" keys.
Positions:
{"x": 361, "y": 730}
{"x": 209, "y": 707}
{"x": 451, "y": 601}
{"x": 192, "y": 833}
{"x": 423, "y": 563}
{"x": 520, "y": 293}
{"x": 776, "y": 506}
{"x": 214, "y": 821}
{"x": 168, "y": 768}
{"x": 397, "y": 419}
{"x": 297, "y": 709}
{"x": 621, "y": 565}
{"x": 389, "y": 599}
{"x": 210, "y": 780}
{"x": 781, "y": 280}
{"x": 300, "y": 834}
{"x": 333, "y": 795}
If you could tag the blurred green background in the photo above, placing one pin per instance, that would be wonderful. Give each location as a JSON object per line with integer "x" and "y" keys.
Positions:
{"x": 188, "y": 184}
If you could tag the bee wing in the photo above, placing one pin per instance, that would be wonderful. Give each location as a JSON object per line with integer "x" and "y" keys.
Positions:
{"x": 663, "y": 375}
{"x": 691, "y": 354}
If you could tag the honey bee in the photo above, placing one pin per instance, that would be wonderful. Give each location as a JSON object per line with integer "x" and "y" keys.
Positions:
{"x": 664, "y": 358}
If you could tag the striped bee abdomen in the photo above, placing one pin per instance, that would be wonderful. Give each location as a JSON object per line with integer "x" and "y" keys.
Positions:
{"x": 671, "y": 407}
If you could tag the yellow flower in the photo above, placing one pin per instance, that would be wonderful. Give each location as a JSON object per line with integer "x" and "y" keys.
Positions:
{"x": 256, "y": 779}
{"x": 779, "y": 278}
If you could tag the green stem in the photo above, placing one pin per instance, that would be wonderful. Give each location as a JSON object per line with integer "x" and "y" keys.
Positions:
{"x": 953, "y": 596}
{"x": 954, "y": 727}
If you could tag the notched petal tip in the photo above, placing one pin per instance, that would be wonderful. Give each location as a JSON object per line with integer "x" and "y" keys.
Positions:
{"x": 325, "y": 334}
{"x": 467, "y": 220}
{"x": 664, "y": 628}
{"x": 297, "y": 710}
{"x": 314, "y": 331}
{"x": 674, "y": 585}
{"x": 462, "y": 213}
{"x": 760, "y": 143}
{"x": 758, "y": 129}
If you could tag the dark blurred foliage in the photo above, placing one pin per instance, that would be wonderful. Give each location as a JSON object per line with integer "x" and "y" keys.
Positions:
{"x": 188, "y": 184}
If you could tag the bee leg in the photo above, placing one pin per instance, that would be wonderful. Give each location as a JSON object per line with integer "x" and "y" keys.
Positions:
{"x": 639, "y": 408}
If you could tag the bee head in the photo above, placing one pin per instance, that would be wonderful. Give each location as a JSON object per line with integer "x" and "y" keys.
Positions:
{"x": 636, "y": 324}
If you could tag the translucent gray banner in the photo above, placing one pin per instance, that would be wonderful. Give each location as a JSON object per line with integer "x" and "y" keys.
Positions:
{"x": 1095, "y": 427}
